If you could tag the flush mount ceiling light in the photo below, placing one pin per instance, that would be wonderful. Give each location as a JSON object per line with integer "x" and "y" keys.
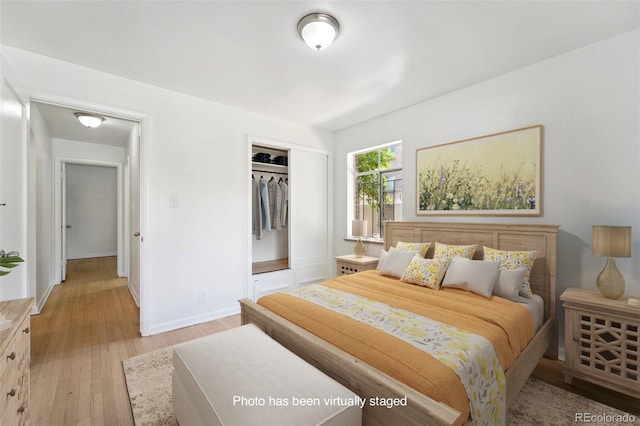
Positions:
{"x": 318, "y": 30}
{"x": 89, "y": 120}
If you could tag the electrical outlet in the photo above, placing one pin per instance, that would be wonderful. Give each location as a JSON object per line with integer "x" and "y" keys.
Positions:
{"x": 202, "y": 296}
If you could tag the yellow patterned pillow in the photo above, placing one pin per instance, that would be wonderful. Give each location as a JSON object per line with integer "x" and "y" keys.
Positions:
{"x": 514, "y": 259}
{"x": 425, "y": 272}
{"x": 448, "y": 252}
{"x": 420, "y": 248}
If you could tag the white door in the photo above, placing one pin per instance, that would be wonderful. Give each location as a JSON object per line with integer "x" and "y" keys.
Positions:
{"x": 134, "y": 219}
{"x": 13, "y": 185}
{"x": 308, "y": 211}
{"x": 65, "y": 226}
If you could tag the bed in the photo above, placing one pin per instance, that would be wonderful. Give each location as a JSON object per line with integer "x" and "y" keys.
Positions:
{"x": 370, "y": 382}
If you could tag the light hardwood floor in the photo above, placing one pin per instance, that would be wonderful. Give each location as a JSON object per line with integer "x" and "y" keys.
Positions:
{"x": 90, "y": 324}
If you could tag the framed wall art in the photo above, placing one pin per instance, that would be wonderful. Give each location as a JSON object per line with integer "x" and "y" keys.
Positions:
{"x": 498, "y": 174}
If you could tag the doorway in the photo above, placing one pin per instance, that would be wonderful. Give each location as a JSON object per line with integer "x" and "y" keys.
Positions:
{"x": 92, "y": 213}
{"x": 116, "y": 145}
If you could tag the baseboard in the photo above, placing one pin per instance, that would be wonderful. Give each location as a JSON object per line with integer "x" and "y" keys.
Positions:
{"x": 136, "y": 296}
{"x": 92, "y": 255}
{"x": 194, "y": 320}
{"x": 39, "y": 305}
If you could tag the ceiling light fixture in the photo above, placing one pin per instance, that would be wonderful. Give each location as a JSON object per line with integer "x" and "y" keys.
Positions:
{"x": 89, "y": 120}
{"x": 318, "y": 30}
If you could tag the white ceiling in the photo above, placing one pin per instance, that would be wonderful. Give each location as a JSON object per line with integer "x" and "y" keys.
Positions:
{"x": 247, "y": 54}
{"x": 64, "y": 125}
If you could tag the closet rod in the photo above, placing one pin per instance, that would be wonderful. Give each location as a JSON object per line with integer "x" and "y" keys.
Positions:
{"x": 267, "y": 171}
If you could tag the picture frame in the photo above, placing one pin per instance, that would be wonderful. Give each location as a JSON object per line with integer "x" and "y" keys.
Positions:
{"x": 497, "y": 175}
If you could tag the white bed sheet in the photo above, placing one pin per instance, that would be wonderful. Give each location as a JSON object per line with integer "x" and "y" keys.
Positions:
{"x": 535, "y": 305}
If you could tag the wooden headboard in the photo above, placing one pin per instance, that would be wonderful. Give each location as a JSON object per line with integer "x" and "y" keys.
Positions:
{"x": 498, "y": 236}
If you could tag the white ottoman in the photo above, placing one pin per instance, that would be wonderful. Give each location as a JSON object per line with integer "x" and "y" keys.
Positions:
{"x": 243, "y": 377}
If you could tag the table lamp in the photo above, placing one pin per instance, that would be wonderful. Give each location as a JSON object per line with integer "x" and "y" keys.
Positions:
{"x": 611, "y": 241}
{"x": 359, "y": 229}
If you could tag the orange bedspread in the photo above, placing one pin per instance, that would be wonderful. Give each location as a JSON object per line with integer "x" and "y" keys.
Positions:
{"x": 507, "y": 325}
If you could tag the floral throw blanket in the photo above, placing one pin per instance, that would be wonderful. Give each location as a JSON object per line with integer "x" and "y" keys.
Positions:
{"x": 471, "y": 356}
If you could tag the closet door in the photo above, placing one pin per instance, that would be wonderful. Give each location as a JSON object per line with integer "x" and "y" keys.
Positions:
{"x": 308, "y": 210}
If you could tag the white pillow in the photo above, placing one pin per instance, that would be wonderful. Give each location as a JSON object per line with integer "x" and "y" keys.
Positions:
{"x": 381, "y": 259}
{"x": 509, "y": 283}
{"x": 477, "y": 276}
{"x": 396, "y": 262}
{"x": 514, "y": 259}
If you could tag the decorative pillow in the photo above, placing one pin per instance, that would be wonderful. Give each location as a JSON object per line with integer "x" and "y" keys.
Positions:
{"x": 477, "y": 276}
{"x": 420, "y": 248}
{"x": 509, "y": 284}
{"x": 381, "y": 259}
{"x": 396, "y": 262}
{"x": 425, "y": 272}
{"x": 445, "y": 251}
{"x": 514, "y": 260}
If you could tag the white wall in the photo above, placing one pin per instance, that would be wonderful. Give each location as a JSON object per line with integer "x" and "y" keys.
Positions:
{"x": 196, "y": 151}
{"x": 588, "y": 102}
{"x": 44, "y": 206}
{"x": 92, "y": 214}
{"x": 87, "y": 151}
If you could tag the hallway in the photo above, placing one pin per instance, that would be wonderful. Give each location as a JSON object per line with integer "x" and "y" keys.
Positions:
{"x": 89, "y": 324}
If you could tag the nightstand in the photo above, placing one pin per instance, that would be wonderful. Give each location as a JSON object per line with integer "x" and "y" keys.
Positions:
{"x": 602, "y": 341}
{"x": 350, "y": 264}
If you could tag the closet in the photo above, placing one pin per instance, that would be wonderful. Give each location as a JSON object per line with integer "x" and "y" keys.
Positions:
{"x": 290, "y": 247}
{"x": 270, "y": 209}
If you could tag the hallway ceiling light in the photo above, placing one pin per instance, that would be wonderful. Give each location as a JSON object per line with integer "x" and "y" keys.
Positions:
{"x": 318, "y": 30}
{"x": 89, "y": 120}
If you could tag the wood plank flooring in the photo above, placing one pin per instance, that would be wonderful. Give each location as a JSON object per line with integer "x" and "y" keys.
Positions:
{"x": 90, "y": 324}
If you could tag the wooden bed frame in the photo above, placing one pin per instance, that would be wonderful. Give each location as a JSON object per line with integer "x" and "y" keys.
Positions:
{"x": 369, "y": 382}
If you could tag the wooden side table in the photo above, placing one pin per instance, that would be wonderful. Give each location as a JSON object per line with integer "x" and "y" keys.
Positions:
{"x": 602, "y": 341}
{"x": 350, "y": 264}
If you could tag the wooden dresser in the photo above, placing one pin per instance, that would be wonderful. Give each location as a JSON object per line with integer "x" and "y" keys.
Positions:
{"x": 15, "y": 352}
{"x": 601, "y": 341}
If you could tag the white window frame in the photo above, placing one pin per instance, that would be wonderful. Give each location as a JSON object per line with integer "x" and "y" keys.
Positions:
{"x": 352, "y": 174}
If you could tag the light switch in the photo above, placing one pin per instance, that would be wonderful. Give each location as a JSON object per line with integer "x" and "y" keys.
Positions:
{"x": 173, "y": 201}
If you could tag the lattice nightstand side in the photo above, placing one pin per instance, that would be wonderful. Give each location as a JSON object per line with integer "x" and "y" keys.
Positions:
{"x": 350, "y": 264}
{"x": 602, "y": 341}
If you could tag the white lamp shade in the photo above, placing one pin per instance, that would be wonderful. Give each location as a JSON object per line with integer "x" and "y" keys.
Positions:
{"x": 89, "y": 120}
{"x": 611, "y": 241}
{"x": 318, "y": 35}
{"x": 359, "y": 228}
{"x": 318, "y": 30}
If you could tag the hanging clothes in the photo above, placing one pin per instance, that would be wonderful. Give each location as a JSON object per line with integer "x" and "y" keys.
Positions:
{"x": 264, "y": 204}
{"x": 275, "y": 204}
{"x": 285, "y": 202}
{"x": 256, "y": 208}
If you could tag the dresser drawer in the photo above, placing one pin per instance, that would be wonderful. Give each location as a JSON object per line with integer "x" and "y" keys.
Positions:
{"x": 9, "y": 379}
{"x": 15, "y": 360}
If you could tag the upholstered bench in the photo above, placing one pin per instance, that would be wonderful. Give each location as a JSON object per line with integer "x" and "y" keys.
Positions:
{"x": 243, "y": 377}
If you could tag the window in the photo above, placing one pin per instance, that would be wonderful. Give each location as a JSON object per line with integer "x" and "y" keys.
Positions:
{"x": 377, "y": 194}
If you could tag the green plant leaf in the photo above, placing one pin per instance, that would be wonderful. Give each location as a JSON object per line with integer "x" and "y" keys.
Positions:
{"x": 8, "y": 263}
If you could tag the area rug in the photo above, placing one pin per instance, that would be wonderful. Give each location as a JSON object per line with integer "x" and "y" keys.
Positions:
{"x": 148, "y": 378}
